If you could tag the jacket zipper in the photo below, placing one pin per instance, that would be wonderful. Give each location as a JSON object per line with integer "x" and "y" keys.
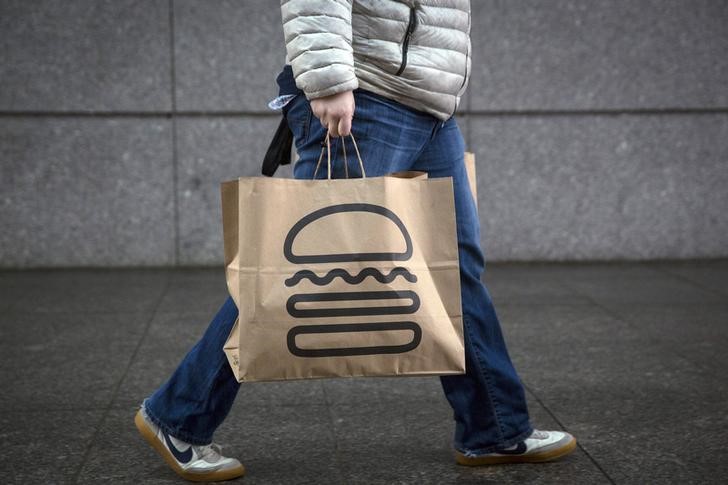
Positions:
{"x": 405, "y": 43}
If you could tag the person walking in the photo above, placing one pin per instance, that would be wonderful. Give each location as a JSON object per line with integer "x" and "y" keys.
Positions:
{"x": 392, "y": 74}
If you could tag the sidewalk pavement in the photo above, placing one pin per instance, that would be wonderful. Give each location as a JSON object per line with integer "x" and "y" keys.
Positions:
{"x": 630, "y": 358}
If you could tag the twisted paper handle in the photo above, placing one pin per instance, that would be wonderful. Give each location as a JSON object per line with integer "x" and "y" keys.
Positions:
{"x": 327, "y": 149}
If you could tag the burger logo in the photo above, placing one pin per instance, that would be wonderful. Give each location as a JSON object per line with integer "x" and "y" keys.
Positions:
{"x": 314, "y": 307}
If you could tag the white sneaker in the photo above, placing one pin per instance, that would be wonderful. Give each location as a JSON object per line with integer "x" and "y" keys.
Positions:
{"x": 192, "y": 462}
{"x": 539, "y": 446}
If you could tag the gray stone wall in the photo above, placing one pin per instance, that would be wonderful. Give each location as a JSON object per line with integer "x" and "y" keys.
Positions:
{"x": 600, "y": 127}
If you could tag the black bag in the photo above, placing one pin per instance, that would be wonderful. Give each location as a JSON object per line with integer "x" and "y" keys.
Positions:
{"x": 279, "y": 150}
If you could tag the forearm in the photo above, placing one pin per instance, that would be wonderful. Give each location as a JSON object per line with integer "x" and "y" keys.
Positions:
{"x": 318, "y": 45}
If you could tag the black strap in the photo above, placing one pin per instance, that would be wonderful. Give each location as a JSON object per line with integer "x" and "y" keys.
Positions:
{"x": 279, "y": 150}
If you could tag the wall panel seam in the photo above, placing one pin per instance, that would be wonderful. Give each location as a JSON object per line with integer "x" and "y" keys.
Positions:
{"x": 175, "y": 166}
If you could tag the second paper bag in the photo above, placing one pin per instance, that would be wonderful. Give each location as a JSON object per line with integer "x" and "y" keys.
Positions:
{"x": 344, "y": 277}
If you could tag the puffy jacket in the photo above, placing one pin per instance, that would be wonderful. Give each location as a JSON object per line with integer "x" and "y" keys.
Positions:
{"x": 416, "y": 52}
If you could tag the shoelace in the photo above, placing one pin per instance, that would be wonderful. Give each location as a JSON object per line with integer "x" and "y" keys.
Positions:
{"x": 210, "y": 453}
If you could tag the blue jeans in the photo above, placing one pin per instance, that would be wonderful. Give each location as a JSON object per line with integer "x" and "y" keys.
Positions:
{"x": 488, "y": 400}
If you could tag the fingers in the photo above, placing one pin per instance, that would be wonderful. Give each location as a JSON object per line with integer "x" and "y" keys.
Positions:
{"x": 335, "y": 113}
{"x": 337, "y": 126}
{"x": 344, "y": 127}
{"x": 333, "y": 126}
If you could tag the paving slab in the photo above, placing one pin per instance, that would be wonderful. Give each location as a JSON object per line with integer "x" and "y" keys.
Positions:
{"x": 626, "y": 423}
{"x": 527, "y": 284}
{"x": 47, "y": 446}
{"x": 10, "y": 291}
{"x": 84, "y": 290}
{"x": 119, "y": 454}
{"x": 622, "y": 393}
{"x": 170, "y": 338}
{"x": 283, "y": 444}
{"x": 394, "y": 442}
{"x": 199, "y": 291}
{"x": 378, "y": 390}
{"x": 697, "y": 333}
{"x": 620, "y": 284}
{"x": 411, "y": 442}
{"x": 711, "y": 274}
{"x": 627, "y": 371}
{"x": 60, "y": 361}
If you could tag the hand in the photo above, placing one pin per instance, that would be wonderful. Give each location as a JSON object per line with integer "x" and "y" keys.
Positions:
{"x": 335, "y": 112}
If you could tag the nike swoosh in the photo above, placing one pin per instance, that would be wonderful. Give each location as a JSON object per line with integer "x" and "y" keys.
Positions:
{"x": 518, "y": 450}
{"x": 181, "y": 456}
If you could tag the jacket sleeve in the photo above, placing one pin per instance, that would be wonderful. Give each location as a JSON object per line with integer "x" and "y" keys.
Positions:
{"x": 318, "y": 45}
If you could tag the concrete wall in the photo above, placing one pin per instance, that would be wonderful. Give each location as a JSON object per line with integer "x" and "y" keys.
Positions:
{"x": 601, "y": 128}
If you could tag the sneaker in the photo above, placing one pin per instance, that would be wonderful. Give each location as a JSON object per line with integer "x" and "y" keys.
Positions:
{"x": 192, "y": 462}
{"x": 540, "y": 446}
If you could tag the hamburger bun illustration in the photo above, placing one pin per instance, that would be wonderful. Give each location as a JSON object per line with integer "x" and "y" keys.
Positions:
{"x": 362, "y": 308}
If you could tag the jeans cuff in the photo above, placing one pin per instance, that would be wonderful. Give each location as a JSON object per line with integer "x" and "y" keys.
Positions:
{"x": 175, "y": 433}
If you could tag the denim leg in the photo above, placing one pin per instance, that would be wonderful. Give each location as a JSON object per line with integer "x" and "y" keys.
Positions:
{"x": 199, "y": 394}
{"x": 488, "y": 400}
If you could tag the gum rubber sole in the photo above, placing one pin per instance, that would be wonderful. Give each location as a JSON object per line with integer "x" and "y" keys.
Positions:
{"x": 525, "y": 458}
{"x": 151, "y": 438}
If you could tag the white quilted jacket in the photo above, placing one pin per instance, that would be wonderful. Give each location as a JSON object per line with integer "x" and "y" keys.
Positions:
{"x": 416, "y": 52}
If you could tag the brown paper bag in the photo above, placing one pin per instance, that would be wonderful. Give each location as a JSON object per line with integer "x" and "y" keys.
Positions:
{"x": 344, "y": 277}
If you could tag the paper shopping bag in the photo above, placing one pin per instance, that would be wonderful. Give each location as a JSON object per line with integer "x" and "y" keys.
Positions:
{"x": 344, "y": 277}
